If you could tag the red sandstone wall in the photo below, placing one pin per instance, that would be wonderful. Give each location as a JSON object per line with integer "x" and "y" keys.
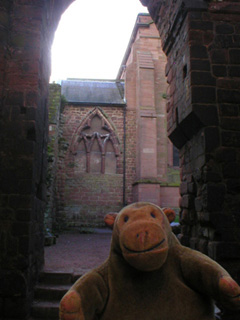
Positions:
{"x": 84, "y": 198}
{"x": 201, "y": 40}
{"x": 131, "y": 137}
{"x": 146, "y": 88}
{"x": 27, "y": 28}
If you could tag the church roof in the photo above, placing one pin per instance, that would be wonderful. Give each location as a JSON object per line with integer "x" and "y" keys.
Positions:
{"x": 93, "y": 92}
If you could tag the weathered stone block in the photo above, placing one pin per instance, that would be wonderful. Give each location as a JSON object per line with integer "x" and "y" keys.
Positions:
{"x": 21, "y": 228}
{"x": 234, "y": 55}
{"x": 24, "y": 214}
{"x": 219, "y": 56}
{"x": 187, "y": 201}
{"x": 210, "y": 176}
{"x": 183, "y": 188}
{"x": 228, "y": 83}
{"x": 224, "y": 154}
{"x": 207, "y": 114}
{"x": 229, "y": 110}
{"x": 231, "y": 138}
{"x": 13, "y": 283}
{"x": 198, "y": 52}
{"x": 233, "y": 186}
{"x": 223, "y": 41}
{"x": 213, "y": 196}
{"x": 17, "y": 307}
{"x": 202, "y": 78}
{"x": 24, "y": 245}
{"x": 203, "y": 94}
{"x": 198, "y": 204}
{"x": 231, "y": 123}
{"x": 219, "y": 70}
{"x": 201, "y": 65}
{"x": 223, "y": 250}
{"x": 32, "y": 98}
{"x": 212, "y": 138}
{"x": 20, "y": 201}
{"x": 200, "y": 25}
{"x": 224, "y": 28}
{"x": 234, "y": 71}
{"x": 15, "y": 98}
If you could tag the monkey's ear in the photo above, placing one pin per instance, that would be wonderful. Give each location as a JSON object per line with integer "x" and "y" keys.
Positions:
{"x": 170, "y": 213}
{"x": 109, "y": 219}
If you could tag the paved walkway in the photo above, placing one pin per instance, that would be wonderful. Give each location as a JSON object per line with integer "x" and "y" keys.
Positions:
{"x": 78, "y": 252}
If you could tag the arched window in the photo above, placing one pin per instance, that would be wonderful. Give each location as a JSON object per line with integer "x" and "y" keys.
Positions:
{"x": 95, "y": 144}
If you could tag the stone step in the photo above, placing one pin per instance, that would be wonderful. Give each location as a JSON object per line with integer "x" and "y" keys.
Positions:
{"x": 45, "y": 310}
{"x": 50, "y": 292}
{"x": 76, "y": 276}
{"x": 56, "y": 277}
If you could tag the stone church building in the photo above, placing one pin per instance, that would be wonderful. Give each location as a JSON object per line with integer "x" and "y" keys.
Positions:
{"x": 201, "y": 41}
{"x": 113, "y": 145}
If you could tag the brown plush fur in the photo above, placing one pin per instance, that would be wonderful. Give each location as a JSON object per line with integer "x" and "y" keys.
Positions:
{"x": 109, "y": 219}
{"x": 149, "y": 275}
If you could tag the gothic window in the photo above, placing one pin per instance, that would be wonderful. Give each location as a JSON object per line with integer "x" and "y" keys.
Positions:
{"x": 96, "y": 145}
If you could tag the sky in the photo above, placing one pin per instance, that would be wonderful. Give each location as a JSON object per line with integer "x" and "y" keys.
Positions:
{"x": 92, "y": 38}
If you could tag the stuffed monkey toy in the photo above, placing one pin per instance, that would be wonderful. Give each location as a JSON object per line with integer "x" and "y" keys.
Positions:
{"x": 170, "y": 213}
{"x": 110, "y": 217}
{"x": 149, "y": 275}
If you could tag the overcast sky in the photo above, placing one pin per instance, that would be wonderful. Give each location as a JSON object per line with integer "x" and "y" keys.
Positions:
{"x": 92, "y": 37}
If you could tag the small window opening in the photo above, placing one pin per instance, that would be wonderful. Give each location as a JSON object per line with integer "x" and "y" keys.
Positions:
{"x": 185, "y": 72}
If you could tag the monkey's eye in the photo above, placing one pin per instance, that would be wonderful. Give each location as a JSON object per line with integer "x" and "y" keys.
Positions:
{"x": 125, "y": 219}
{"x": 153, "y": 215}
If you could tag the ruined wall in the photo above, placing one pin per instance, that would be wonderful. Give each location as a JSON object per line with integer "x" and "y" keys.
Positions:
{"x": 26, "y": 29}
{"x": 85, "y": 197}
{"x": 146, "y": 173}
{"x": 54, "y": 111}
{"x": 202, "y": 44}
{"x": 131, "y": 152}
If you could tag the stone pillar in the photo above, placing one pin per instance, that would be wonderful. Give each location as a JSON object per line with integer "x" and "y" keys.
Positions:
{"x": 146, "y": 186}
{"x": 202, "y": 42}
{"x": 54, "y": 111}
{"x": 27, "y": 29}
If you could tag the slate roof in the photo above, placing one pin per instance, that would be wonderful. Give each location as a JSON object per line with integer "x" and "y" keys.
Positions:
{"x": 93, "y": 92}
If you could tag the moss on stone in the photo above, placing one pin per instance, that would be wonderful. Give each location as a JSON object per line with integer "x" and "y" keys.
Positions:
{"x": 173, "y": 176}
{"x": 147, "y": 181}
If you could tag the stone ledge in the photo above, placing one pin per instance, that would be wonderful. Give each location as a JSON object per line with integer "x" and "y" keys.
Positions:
{"x": 226, "y": 7}
{"x": 146, "y": 181}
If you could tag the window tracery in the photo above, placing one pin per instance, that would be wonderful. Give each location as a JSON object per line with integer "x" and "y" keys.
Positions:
{"x": 96, "y": 142}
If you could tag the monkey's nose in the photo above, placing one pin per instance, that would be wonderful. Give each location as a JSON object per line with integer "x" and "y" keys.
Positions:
{"x": 142, "y": 236}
